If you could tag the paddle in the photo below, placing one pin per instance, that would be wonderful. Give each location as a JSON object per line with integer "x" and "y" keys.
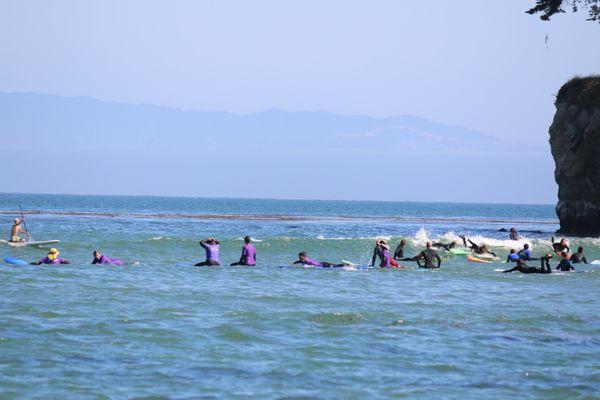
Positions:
{"x": 25, "y": 223}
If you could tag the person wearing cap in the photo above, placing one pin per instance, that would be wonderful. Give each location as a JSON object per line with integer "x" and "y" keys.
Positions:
{"x": 16, "y": 229}
{"x": 383, "y": 252}
{"x": 51, "y": 258}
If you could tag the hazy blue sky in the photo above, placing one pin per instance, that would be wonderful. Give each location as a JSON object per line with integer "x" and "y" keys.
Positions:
{"x": 478, "y": 64}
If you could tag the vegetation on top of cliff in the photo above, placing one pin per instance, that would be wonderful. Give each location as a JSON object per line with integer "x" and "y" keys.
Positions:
{"x": 581, "y": 91}
{"x": 550, "y": 7}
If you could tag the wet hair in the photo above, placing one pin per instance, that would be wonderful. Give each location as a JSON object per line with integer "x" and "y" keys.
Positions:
{"x": 580, "y": 249}
{"x": 302, "y": 254}
{"x": 403, "y": 241}
{"x": 526, "y": 246}
{"x": 512, "y": 251}
{"x": 95, "y": 252}
{"x": 247, "y": 239}
{"x": 513, "y": 230}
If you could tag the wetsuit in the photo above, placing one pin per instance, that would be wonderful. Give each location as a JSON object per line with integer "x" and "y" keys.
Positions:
{"x": 309, "y": 261}
{"x": 524, "y": 254}
{"x": 559, "y": 248}
{"x": 513, "y": 257}
{"x": 248, "y": 256}
{"x": 430, "y": 255}
{"x": 565, "y": 265}
{"x": 479, "y": 249}
{"x": 384, "y": 255}
{"x": 514, "y": 235}
{"x": 523, "y": 268}
{"x": 577, "y": 258}
{"x": 399, "y": 252}
{"x": 51, "y": 261}
{"x": 105, "y": 260}
{"x": 445, "y": 246}
{"x": 212, "y": 254}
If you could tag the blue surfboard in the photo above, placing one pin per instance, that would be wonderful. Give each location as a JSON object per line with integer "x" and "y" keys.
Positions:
{"x": 15, "y": 261}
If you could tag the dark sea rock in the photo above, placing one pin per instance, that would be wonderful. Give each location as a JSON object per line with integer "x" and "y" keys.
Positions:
{"x": 575, "y": 145}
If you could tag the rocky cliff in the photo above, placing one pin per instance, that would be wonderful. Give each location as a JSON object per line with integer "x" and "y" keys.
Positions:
{"x": 575, "y": 144}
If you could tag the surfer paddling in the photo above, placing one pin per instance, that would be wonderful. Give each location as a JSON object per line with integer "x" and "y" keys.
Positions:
{"x": 17, "y": 229}
{"x": 100, "y": 258}
{"x": 51, "y": 258}
{"x": 304, "y": 260}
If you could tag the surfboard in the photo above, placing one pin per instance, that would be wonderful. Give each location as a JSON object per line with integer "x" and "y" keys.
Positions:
{"x": 460, "y": 252}
{"x": 15, "y": 261}
{"x": 476, "y": 259}
{"x": 595, "y": 262}
{"x": 36, "y": 243}
{"x": 486, "y": 257}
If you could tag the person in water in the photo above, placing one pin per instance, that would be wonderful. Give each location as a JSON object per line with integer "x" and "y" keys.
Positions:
{"x": 477, "y": 249}
{"x": 248, "y": 257}
{"x": 399, "y": 252}
{"x": 100, "y": 258}
{"x": 429, "y": 255}
{"x": 17, "y": 229}
{"x": 525, "y": 269}
{"x": 513, "y": 256}
{"x": 211, "y": 246}
{"x": 304, "y": 260}
{"x": 513, "y": 234}
{"x": 383, "y": 252}
{"x": 578, "y": 257}
{"x": 560, "y": 246}
{"x": 565, "y": 265}
{"x": 525, "y": 253}
{"x": 51, "y": 258}
{"x": 445, "y": 246}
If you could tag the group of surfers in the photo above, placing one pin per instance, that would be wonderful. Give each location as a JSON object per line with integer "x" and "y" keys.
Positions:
{"x": 428, "y": 258}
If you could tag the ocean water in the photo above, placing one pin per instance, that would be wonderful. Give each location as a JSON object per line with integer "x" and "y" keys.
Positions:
{"x": 161, "y": 328}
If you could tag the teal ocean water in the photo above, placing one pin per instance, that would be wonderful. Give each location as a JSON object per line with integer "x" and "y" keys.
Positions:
{"x": 165, "y": 329}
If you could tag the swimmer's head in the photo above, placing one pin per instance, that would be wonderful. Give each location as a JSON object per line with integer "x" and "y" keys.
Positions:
{"x": 302, "y": 255}
{"x": 428, "y": 244}
{"x": 512, "y": 251}
{"x": 563, "y": 242}
{"x": 403, "y": 242}
{"x": 97, "y": 254}
{"x": 526, "y": 246}
{"x": 513, "y": 230}
{"x": 17, "y": 221}
{"x": 580, "y": 249}
{"x": 247, "y": 239}
{"x": 53, "y": 254}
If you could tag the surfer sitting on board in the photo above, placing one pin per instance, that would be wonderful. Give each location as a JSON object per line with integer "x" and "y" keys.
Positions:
{"x": 51, "y": 258}
{"x": 211, "y": 246}
{"x": 565, "y": 265}
{"x": 525, "y": 253}
{"x": 383, "y": 252}
{"x": 100, "y": 258}
{"x": 16, "y": 229}
{"x": 304, "y": 260}
{"x": 525, "y": 269}
{"x": 561, "y": 246}
{"x": 513, "y": 256}
{"x": 477, "y": 249}
{"x": 248, "y": 256}
{"x": 578, "y": 257}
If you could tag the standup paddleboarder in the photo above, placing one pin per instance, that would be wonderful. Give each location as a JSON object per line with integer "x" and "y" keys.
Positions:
{"x": 16, "y": 230}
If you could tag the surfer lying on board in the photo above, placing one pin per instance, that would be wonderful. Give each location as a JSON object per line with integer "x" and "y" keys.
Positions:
{"x": 578, "y": 257}
{"x": 445, "y": 246}
{"x": 477, "y": 249}
{"x": 564, "y": 265}
{"x": 304, "y": 260}
{"x": 561, "y": 246}
{"x": 211, "y": 246}
{"x": 248, "y": 256}
{"x": 382, "y": 251}
{"x": 100, "y": 258}
{"x": 16, "y": 229}
{"x": 51, "y": 258}
{"x": 525, "y": 269}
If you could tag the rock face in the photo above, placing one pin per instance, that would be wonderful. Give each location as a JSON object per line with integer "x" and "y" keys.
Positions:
{"x": 575, "y": 144}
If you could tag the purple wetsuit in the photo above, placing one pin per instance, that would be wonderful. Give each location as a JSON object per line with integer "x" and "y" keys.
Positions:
{"x": 212, "y": 252}
{"x": 105, "y": 260}
{"x": 249, "y": 254}
{"x": 56, "y": 261}
{"x": 309, "y": 261}
{"x": 384, "y": 256}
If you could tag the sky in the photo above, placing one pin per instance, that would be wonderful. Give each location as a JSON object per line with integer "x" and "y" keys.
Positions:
{"x": 477, "y": 64}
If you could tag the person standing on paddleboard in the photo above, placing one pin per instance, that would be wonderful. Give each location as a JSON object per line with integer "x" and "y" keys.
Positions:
{"x": 16, "y": 230}
{"x": 211, "y": 246}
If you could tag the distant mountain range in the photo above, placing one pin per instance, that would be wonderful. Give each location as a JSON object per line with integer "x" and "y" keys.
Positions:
{"x": 84, "y": 141}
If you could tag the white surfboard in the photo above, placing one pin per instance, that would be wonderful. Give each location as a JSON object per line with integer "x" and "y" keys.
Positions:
{"x": 35, "y": 243}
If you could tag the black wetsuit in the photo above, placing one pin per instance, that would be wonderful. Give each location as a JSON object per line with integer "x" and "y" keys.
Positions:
{"x": 430, "y": 255}
{"x": 445, "y": 246}
{"x": 479, "y": 249}
{"x": 565, "y": 265}
{"x": 559, "y": 248}
{"x": 577, "y": 258}
{"x": 399, "y": 252}
{"x": 514, "y": 235}
{"x": 523, "y": 268}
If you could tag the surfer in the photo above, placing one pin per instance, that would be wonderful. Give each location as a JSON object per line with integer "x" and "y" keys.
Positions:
{"x": 248, "y": 256}
{"x": 51, "y": 258}
{"x": 16, "y": 229}
{"x": 525, "y": 269}
{"x": 513, "y": 256}
{"x": 513, "y": 234}
{"x": 211, "y": 246}
{"x": 399, "y": 252}
{"x": 445, "y": 246}
{"x": 561, "y": 246}
{"x": 429, "y": 255}
{"x": 525, "y": 253}
{"x": 565, "y": 265}
{"x": 100, "y": 258}
{"x": 383, "y": 252}
{"x": 304, "y": 260}
{"x": 578, "y": 257}
{"x": 477, "y": 249}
